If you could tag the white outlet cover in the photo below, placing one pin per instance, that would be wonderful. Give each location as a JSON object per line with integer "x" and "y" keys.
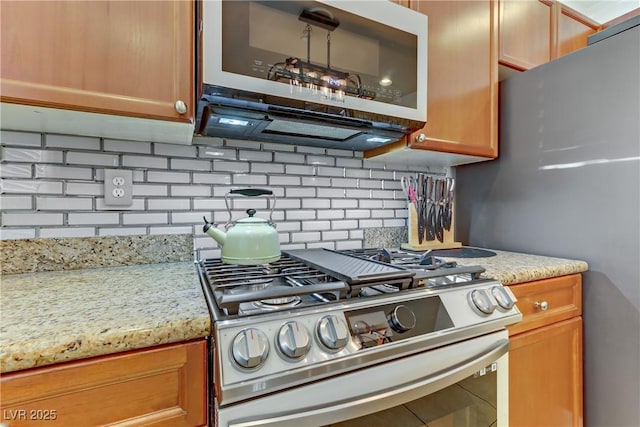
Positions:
{"x": 113, "y": 177}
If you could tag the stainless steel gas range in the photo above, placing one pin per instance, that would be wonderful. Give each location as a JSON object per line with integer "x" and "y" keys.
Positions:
{"x": 323, "y": 337}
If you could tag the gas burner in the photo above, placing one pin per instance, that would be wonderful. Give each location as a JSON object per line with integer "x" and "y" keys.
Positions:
{"x": 277, "y": 303}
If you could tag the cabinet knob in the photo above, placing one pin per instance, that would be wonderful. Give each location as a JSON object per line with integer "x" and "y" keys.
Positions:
{"x": 421, "y": 137}
{"x": 180, "y": 107}
{"x": 543, "y": 305}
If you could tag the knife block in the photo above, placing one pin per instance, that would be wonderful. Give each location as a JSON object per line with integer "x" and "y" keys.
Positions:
{"x": 415, "y": 245}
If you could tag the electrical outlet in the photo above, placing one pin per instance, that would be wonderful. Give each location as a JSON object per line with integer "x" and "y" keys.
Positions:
{"x": 118, "y": 188}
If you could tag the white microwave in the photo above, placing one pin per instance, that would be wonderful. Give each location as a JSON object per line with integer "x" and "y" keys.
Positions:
{"x": 345, "y": 74}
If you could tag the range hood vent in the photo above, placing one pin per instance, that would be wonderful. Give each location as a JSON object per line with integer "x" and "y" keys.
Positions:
{"x": 236, "y": 114}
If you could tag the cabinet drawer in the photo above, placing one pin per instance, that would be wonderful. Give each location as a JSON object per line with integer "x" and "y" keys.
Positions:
{"x": 162, "y": 386}
{"x": 547, "y": 301}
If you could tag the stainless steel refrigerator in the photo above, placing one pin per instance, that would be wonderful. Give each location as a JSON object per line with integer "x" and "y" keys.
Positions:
{"x": 567, "y": 184}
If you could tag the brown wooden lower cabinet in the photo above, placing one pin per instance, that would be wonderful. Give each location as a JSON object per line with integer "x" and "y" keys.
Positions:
{"x": 161, "y": 386}
{"x": 545, "y": 358}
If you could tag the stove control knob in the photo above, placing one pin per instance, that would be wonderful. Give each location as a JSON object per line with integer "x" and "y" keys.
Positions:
{"x": 293, "y": 340}
{"x": 332, "y": 332}
{"x": 482, "y": 301}
{"x": 250, "y": 348}
{"x": 506, "y": 299}
{"x": 402, "y": 319}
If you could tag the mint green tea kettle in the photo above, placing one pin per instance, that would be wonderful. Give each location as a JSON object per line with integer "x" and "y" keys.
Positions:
{"x": 250, "y": 240}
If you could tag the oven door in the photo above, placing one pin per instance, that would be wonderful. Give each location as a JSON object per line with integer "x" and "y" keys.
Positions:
{"x": 463, "y": 384}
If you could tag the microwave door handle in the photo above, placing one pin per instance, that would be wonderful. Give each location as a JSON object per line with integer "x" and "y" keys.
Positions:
{"x": 402, "y": 393}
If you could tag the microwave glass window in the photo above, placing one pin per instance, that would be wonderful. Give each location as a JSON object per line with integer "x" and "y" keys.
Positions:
{"x": 316, "y": 47}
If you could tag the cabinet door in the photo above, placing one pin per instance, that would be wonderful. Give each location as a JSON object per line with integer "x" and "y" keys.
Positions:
{"x": 545, "y": 376}
{"x": 163, "y": 386}
{"x": 462, "y": 78}
{"x": 132, "y": 58}
{"x": 572, "y": 33}
{"x": 525, "y": 33}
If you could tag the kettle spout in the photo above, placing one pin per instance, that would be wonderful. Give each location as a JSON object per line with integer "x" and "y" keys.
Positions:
{"x": 213, "y": 232}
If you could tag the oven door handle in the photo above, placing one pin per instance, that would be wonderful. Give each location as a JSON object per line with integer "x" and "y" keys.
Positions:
{"x": 386, "y": 398}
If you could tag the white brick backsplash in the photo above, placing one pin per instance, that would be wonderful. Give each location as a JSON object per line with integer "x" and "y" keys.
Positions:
{"x": 289, "y": 158}
{"x": 185, "y": 218}
{"x": 349, "y": 163}
{"x": 93, "y": 159}
{"x": 299, "y": 170}
{"x": 15, "y": 170}
{"x": 171, "y": 230}
{"x": 316, "y": 181}
{"x": 225, "y": 166}
{"x": 63, "y": 172}
{"x": 300, "y": 214}
{"x": 127, "y": 146}
{"x": 326, "y": 245}
{"x": 351, "y": 244}
{"x": 269, "y": 146}
{"x": 30, "y": 187}
{"x": 321, "y": 160}
{"x": 370, "y": 204}
{"x": 284, "y": 180}
{"x": 136, "y": 205}
{"x": 316, "y": 225}
{"x": 149, "y": 190}
{"x": 30, "y": 155}
{"x": 217, "y": 153}
{"x": 311, "y": 236}
{"x": 64, "y": 203}
{"x": 172, "y": 204}
{"x": 17, "y": 233}
{"x": 84, "y": 189}
{"x": 267, "y": 168}
{"x": 358, "y": 213}
{"x": 208, "y": 204}
{"x": 121, "y": 231}
{"x": 175, "y": 150}
{"x": 106, "y": 218}
{"x": 144, "y": 162}
{"x": 32, "y": 219}
{"x": 357, "y": 173}
{"x": 209, "y": 178}
{"x": 335, "y": 235}
{"x": 350, "y": 224}
{"x": 344, "y": 182}
{"x": 300, "y": 192}
{"x": 326, "y": 197}
{"x": 316, "y": 203}
{"x": 170, "y": 177}
{"x": 249, "y": 179}
{"x": 344, "y": 203}
{"x": 191, "y": 164}
{"x": 72, "y": 142}
{"x": 339, "y": 153}
{"x": 145, "y": 218}
{"x": 15, "y": 202}
{"x": 67, "y": 232}
{"x": 370, "y": 223}
{"x": 20, "y": 138}
{"x": 331, "y": 214}
{"x": 256, "y": 156}
{"x": 190, "y": 191}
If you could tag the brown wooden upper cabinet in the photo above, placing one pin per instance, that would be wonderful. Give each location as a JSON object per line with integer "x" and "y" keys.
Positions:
{"x": 533, "y": 32}
{"x": 125, "y": 58}
{"x": 462, "y": 86}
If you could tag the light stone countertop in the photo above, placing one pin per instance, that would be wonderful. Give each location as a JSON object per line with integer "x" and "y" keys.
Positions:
{"x": 512, "y": 267}
{"x": 54, "y": 317}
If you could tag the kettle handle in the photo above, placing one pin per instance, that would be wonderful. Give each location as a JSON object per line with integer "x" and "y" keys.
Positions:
{"x": 250, "y": 192}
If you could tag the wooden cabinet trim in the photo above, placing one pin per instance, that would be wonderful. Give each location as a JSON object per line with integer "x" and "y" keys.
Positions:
{"x": 563, "y": 294}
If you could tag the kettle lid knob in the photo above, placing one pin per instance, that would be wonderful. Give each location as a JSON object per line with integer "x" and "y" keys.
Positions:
{"x": 251, "y": 212}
